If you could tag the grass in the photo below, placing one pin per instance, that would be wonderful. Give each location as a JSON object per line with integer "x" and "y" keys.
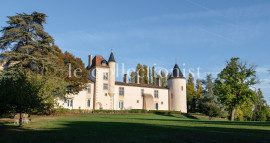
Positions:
{"x": 134, "y": 128}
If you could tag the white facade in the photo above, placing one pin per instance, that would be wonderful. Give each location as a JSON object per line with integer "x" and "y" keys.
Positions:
{"x": 178, "y": 94}
{"x": 105, "y": 93}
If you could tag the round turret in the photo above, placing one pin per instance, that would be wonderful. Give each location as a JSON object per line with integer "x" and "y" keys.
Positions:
{"x": 111, "y": 63}
{"x": 177, "y": 91}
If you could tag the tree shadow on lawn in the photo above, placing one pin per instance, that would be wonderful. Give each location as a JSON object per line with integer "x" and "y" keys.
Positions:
{"x": 197, "y": 120}
{"x": 88, "y": 131}
{"x": 205, "y": 121}
{"x": 185, "y": 115}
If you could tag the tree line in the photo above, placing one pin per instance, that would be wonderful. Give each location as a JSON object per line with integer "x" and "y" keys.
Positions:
{"x": 148, "y": 75}
{"x": 232, "y": 94}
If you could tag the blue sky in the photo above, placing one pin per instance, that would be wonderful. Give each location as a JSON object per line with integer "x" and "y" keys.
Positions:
{"x": 193, "y": 33}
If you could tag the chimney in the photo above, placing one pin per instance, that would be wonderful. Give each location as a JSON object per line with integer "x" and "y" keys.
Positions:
{"x": 89, "y": 61}
{"x": 126, "y": 78}
{"x": 137, "y": 79}
{"x": 158, "y": 81}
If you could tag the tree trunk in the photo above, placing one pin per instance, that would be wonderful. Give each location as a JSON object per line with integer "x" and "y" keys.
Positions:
{"x": 20, "y": 120}
{"x": 232, "y": 114}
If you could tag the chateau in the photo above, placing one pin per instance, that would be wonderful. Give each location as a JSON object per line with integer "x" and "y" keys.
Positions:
{"x": 103, "y": 92}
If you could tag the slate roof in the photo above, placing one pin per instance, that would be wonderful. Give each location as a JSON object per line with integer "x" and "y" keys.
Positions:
{"x": 111, "y": 59}
{"x": 177, "y": 72}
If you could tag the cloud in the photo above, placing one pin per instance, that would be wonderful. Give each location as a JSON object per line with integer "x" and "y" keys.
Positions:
{"x": 263, "y": 70}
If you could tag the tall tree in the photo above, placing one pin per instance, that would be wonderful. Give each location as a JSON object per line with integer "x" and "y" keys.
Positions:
{"x": 233, "y": 84}
{"x": 260, "y": 110}
{"x": 15, "y": 82}
{"x": 132, "y": 77}
{"x": 199, "y": 89}
{"x": 145, "y": 74}
{"x": 163, "y": 79}
{"x": 141, "y": 72}
{"x": 190, "y": 92}
{"x": 150, "y": 76}
{"x": 209, "y": 86}
{"x": 26, "y": 44}
{"x": 154, "y": 75}
{"x": 77, "y": 75}
{"x": 27, "y": 47}
{"x": 209, "y": 103}
{"x": 198, "y": 94}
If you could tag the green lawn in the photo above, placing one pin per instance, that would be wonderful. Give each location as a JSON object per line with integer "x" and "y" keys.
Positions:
{"x": 134, "y": 128}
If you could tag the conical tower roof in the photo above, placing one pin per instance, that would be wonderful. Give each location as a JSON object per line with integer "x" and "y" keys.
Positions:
{"x": 111, "y": 58}
{"x": 176, "y": 72}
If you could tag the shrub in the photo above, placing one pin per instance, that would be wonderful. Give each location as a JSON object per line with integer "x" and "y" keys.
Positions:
{"x": 211, "y": 109}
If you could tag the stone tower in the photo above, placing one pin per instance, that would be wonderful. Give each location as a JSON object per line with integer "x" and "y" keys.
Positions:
{"x": 177, "y": 91}
{"x": 111, "y": 63}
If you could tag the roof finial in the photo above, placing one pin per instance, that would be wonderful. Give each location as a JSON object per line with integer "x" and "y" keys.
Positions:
{"x": 111, "y": 50}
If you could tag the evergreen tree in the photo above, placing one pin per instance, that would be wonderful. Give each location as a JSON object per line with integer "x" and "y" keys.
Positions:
{"x": 210, "y": 103}
{"x": 209, "y": 86}
{"x": 26, "y": 44}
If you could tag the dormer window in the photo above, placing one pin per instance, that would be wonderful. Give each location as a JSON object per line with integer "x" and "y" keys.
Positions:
{"x": 104, "y": 63}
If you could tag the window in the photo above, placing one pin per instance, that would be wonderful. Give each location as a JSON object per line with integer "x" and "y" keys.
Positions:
{"x": 121, "y": 104}
{"x": 88, "y": 102}
{"x": 106, "y": 94}
{"x": 142, "y": 92}
{"x": 182, "y": 88}
{"x": 138, "y": 101}
{"x": 89, "y": 88}
{"x": 156, "y": 93}
{"x": 103, "y": 63}
{"x": 105, "y": 86}
{"x": 156, "y": 106}
{"x": 69, "y": 102}
{"x": 161, "y": 102}
{"x": 121, "y": 91}
{"x": 105, "y": 76}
